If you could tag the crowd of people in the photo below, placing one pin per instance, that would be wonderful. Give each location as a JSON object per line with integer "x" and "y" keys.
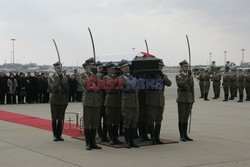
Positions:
{"x": 21, "y": 88}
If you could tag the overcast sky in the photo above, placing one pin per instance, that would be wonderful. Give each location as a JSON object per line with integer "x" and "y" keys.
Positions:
{"x": 120, "y": 25}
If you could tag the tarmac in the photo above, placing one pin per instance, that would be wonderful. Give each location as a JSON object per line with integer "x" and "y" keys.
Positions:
{"x": 220, "y": 131}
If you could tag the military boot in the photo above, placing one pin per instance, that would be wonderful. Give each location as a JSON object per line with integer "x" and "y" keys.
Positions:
{"x": 205, "y": 97}
{"x": 226, "y": 97}
{"x": 115, "y": 133}
{"x": 87, "y": 139}
{"x": 127, "y": 137}
{"x": 157, "y": 134}
{"x": 185, "y": 126}
{"x": 145, "y": 132}
{"x": 92, "y": 140}
{"x": 111, "y": 135}
{"x": 182, "y": 138}
{"x": 141, "y": 131}
{"x": 152, "y": 133}
{"x": 133, "y": 132}
{"x": 241, "y": 99}
{"x": 59, "y": 132}
{"x": 54, "y": 128}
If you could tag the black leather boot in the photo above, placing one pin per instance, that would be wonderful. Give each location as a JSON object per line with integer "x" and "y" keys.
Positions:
{"x": 92, "y": 140}
{"x": 205, "y": 97}
{"x": 141, "y": 131}
{"x": 182, "y": 138}
{"x": 115, "y": 133}
{"x": 157, "y": 134}
{"x": 133, "y": 132}
{"x": 152, "y": 133}
{"x": 185, "y": 126}
{"x": 59, "y": 132}
{"x": 111, "y": 135}
{"x": 127, "y": 137}
{"x": 241, "y": 99}
{"x": 87, "y": 139}
{"x": 226, "y": 97}
{"x": 145, "y": 131}
{"x": 54, "y": 128}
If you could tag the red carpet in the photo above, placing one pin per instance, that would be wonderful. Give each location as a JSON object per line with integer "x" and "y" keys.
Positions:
{"x": 45, "y": 124}
{"x": 35, "y": 122}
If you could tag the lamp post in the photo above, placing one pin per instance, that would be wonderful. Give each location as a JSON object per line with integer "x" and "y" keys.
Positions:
{"x": 13, "y": 49}
{"x": 243, "y": 50}
{"x": 225, "y": 57}
{"x": 210, "y": 58}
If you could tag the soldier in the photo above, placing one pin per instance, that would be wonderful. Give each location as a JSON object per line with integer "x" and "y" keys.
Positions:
{"x": 213, "y": 66}
{"x": 233, "y": 87}
{"x": 11, "y": 89}
{"x": 247, "y": 84}
{"x": 240, "y": 85}
{"x": 206, "y": 78}
{"x": 185, "y": 99}
{"x": 216, "y": 78}
{"x": 102, "y": 127}
{"x": 59, "y": 100}
{"x": 155, "y": 101}
{"x": 91, "y": 104}
{"x": 112, "y": 103}
{"x": 130, "y": 104}
{"x": 201, "y": 82}
{"x": 225, "y": 84}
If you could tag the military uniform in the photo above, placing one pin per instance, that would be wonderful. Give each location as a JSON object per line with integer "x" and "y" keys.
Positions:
{"x": 240, "y": 85}
{"x": 185, "y": 100}
{"x": 216, "y": 78}
{"x": 155, "y": 101}
{"x": 102, "y": 127}
{"x": 201, "y": 83}
{"x": 233, "y": 87}
{"x": 206, "y": 78}
{"x": 91, "y": 106}
{"x": 113, "y": 105}
{"x": 58, "y": 85}
{"x": 247, "y": 85}
{"x": 226, "y": 84}
{"x": 130, "y": 107}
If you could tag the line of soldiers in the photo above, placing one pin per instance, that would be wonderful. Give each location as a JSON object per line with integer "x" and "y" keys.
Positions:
{"x": 110, "y": 98}
{"x": 232, "y": 82}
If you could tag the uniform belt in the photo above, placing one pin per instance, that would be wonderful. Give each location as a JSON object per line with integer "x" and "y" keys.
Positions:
{"x": 129, "y": 92}
{"x": 114, "y": 93}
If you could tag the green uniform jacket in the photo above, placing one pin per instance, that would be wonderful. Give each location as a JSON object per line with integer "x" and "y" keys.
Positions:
{"x": 200, "y": 78}
{"x": 240, "y": 80}
{"x": 206, "y": 78}
{"x": 113, "y": 96}
{"x": 59, "y": 89}
{"x": 233, "y": 79}
{"x": 226, "y": 80}
{"x": 185, "y": 86}
{"x": 129, "y": 97}
{"x": 247, "y": 83}
{"x": 216, "y": 78}
{"x": 156, "y": 97}
{"x": 91, "y": 96}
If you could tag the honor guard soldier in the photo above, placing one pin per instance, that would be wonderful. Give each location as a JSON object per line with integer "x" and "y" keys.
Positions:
{"x": 206, "y": 78}
{"x": 102, "y": 127}
{"x": 201, "y": 82}
{"x": 226, "y": 83}
{"x": 247, "y": 85}
{"x": 185, "y": 99}
{"x": 112, "y": 103}
{"x": 155, "y": 101}
{"x": 216, "y": 78}
{"x": 91, "y": 104}
{"x": 58, "y": 85}
{"x": 130, "y": 104}
{"x": 233, "y": 87}
{"x": 240, "y": 85}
